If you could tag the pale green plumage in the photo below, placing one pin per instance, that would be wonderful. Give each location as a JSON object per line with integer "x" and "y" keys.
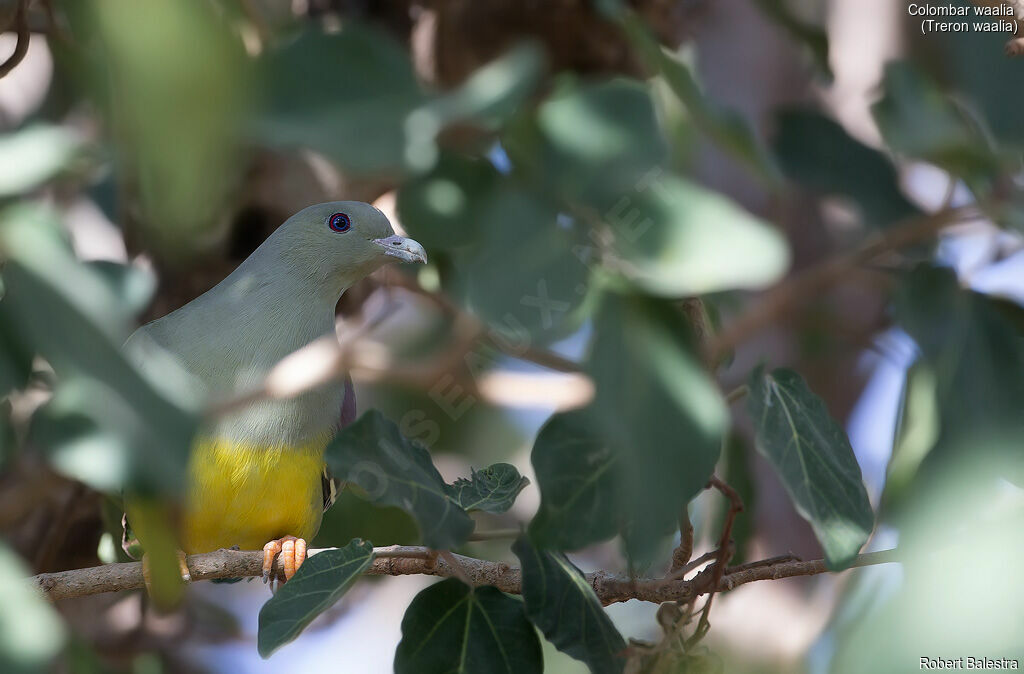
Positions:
{"x": 255, "y": 474}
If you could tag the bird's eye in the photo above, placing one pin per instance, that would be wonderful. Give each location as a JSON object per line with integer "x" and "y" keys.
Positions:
{"x": 339, "y": 222}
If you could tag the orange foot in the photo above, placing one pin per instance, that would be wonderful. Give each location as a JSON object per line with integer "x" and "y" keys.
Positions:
{"x": 293, "y": 554}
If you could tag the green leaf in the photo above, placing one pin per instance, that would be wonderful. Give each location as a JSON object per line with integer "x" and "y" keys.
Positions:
{"x": 318, "y": 584}
{"x": 817, "y": 152}
{"x": 726, "y": 127}
{"x": 32, "y": 156}
{"x": 563, "y": 605}
{"x": 658, "y": 407}
{"x": 493, "y": 93}
{"x": 576, "y": 474}
{"x": 354, "y": 517}
{"x": 677, "y": 239}
{"x": 33, "y": 632}
{"x": 134, "y": 287}
{"x": 813, "y": 37}
{"x": 394, "y": 470}
{"x": 451, "y": 628}
{"x": 976, "y": 358}
{"x": 354, "y": 96}
{"x": 347, "y": 95}
{"x": 154, "y": 86}
{"x": 493, "y": 489}
{"x": 524, "y": 273}
{"x": 105, "y": 408}
{"x": 918, "y": 119}
{"x": 443, "y": 209}
{"x": 814, "y": 460}
{"x": 595, "y": 139}
{"x": 631, "y": 461}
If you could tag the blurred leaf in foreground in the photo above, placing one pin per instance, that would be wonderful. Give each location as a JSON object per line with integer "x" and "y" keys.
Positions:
{"x": 177, "y": 79}
{"x": 32, "y": 156}
{"x": 918, "y": 119}
{"x": 969, "y": 520}
{"x": 599, "y": 147}
{"x": 105, "y": 415}
{"x": 818, "y": 153}
{"x": 450, "y": 627}
{"x": 317, "y": 585}
{"x": 814, "y": 460}
{"x": 632, "y": 460}
{"x": 32, "y": 631}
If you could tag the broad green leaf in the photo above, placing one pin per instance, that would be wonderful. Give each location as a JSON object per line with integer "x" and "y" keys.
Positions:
{"x": 647, "y": 444}
{"x": 15, "y": 356}
{"x": 493, "y": 489}
{"x": 678, "y": 239}
{"x": 348, "y": 95}
{"x": 523, "y": 272}
{"x": 563, "y": 605}
{"x": 814, "y": 460}
{"x": 576, "y": 474}
{"x": 452, "y": 628}
{"x": 916, "y": 432}
{"x": 354, "y": 96}
{"x": 32, "y": 631}
{"x": 318, "y": 584}
{"x": 657, "y": 405}
{"x": 394, "y": 470}
{"x": 918, "y": 119}
{"x": 134, "y": 287}
{"x": 975, "y": 355}
{"x": 816, "y": 152}
{"x": 724, "y": 126}
{"x": 124, "y": 419}
{"x": 813, "y": 37}
{"x": 595, "y": 140}
{"x": 354, "y": 517}
{"x": 166, "y": 66}
{"x": 32, "y": 156}
{"x": 443, "y": 209}
{"x": 493, "y": 93}
{"x": 920, "y": 612}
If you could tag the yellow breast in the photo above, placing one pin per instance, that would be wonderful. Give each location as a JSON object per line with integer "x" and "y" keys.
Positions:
{"x": 245, "y": 495}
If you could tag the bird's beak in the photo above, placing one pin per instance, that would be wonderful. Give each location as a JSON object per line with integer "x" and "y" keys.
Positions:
{"x": 406, "y": 250}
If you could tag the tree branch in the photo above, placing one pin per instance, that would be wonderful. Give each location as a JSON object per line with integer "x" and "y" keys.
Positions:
{"x": 417, "y": 560}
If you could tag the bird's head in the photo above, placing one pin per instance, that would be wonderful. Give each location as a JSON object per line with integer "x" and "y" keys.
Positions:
{"x": 340, "y": 242}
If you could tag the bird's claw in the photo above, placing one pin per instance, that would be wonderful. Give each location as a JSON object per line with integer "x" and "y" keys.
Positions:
{"x": 293, "y": 554}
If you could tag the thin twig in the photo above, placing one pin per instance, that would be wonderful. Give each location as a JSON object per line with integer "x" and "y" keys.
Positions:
{"x": 681, "y": 555}
{"x": 20, "y": 26}
{"x": 737, "y": 393}
{"x": 417, "y": 560}
{"x": 725, "y": 552}
{"x": 494, "y": 534}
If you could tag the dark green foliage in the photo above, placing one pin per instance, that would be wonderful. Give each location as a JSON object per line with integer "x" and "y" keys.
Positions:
{"x": 493, "y": 489}
{"x": 817, "y": 152}
{"x": 814, "y": 460}
{"x": 564, "y": 607}
{"x": 318, "y": 584}
{"x": 393, "y": 470}
{"x": 450, "y": 628}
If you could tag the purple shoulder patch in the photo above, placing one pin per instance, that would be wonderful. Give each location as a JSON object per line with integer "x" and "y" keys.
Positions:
{"x": 348, "y": 405}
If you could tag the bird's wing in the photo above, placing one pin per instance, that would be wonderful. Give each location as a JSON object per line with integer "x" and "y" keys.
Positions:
{"x": 330, "y": 484}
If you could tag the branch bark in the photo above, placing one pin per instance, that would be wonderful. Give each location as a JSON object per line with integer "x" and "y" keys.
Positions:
{"x": 417, "y": 560}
